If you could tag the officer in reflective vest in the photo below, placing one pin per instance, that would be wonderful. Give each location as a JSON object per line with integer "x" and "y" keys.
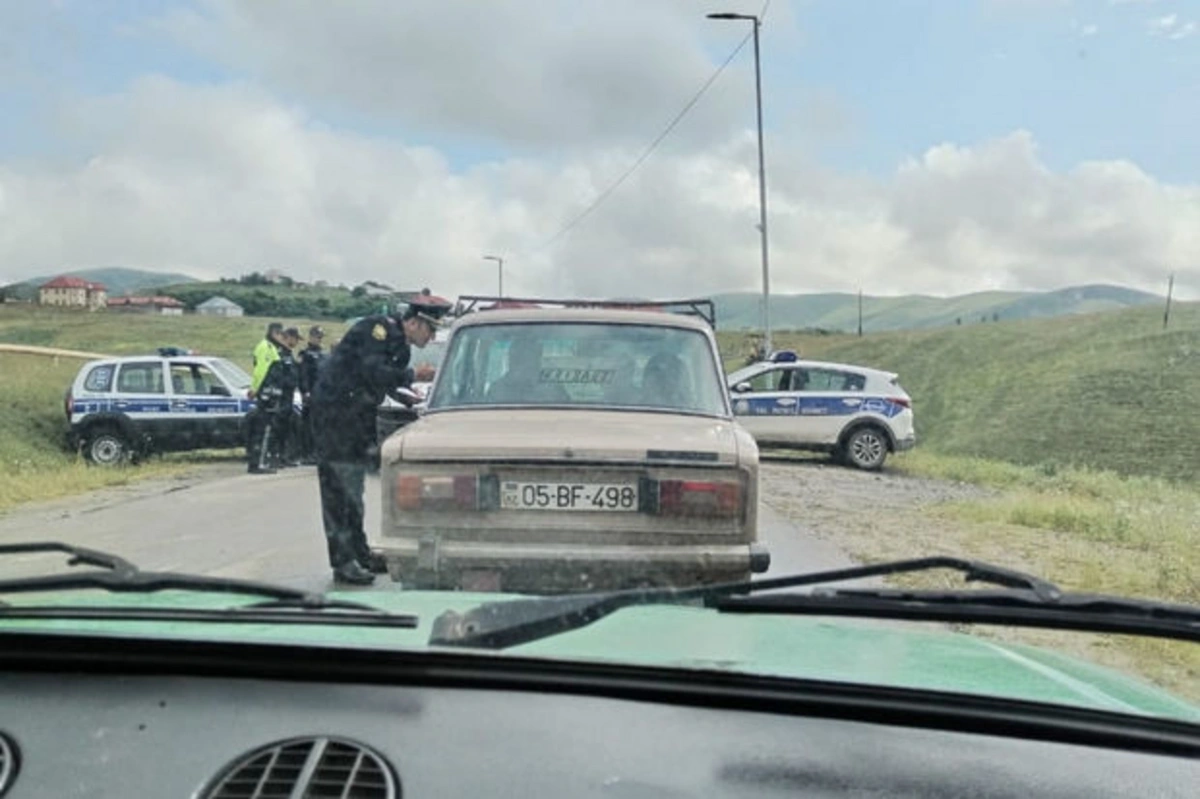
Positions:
{"x": 257, "y": 421}
{"x": 368, "y": 364}
{"x": 265, "y": 354}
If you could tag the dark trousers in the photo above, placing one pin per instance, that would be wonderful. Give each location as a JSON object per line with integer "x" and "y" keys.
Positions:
{"x": 281, "y": 434}
{"x": 258, "y": 439}
{"x": 305, "y": 439}
{"x": 342, "y": 512}
{"x": 266, "y": 435}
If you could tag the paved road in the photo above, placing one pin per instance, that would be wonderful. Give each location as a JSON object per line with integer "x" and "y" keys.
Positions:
{"x": 225, "y": 522}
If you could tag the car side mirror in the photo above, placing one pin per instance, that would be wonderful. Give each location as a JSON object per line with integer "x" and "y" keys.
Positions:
{"x": 742, "y": 388}
{"x": 219, "y": 391}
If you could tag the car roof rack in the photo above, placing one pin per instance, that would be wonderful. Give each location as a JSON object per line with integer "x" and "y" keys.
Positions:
{"x": 705, "y": 309}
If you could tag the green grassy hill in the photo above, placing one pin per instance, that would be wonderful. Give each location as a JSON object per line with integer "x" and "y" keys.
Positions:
{"x": 840, "y": 311}
{"x": 1108, "y": 390}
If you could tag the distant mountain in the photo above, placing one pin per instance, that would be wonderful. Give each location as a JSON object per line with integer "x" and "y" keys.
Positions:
{"x": 840, "y": 311}
{"x": 118, "y": 280}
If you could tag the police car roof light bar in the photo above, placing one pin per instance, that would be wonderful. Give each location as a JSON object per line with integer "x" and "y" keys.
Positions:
{"x": 703, "y": 308}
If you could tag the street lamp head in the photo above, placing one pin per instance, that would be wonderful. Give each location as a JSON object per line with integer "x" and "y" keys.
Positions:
{"x": 728, "y": 15}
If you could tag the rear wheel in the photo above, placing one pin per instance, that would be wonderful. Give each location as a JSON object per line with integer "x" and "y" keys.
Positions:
{"x": 107, "y": 447}
{"x": 866, "y": 448}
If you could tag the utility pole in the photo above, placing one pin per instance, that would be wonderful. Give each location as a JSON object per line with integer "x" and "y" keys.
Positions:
{"x": 860, "y": 313}
{"x": 762, "y": 175}
{"x": 1170, "y": 290}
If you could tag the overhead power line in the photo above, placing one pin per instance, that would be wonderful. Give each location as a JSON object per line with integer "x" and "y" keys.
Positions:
{"x": 604, "y": 195}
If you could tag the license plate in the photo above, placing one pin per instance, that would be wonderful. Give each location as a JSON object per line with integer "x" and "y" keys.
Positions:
{"x": 569, "y": 496}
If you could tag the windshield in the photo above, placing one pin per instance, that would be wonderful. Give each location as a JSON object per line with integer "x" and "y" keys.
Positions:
{"x": 234, "y": 374}
{"x": 579, "y": 365}
{"x": 437, "y": 303}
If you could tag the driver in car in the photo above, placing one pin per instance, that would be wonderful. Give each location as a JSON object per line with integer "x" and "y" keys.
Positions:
{"x": 664, "y": 382}
{"x": 523, "y": 382}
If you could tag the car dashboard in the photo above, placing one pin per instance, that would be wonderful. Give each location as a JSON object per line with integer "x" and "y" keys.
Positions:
{"x": 104, "y": 733}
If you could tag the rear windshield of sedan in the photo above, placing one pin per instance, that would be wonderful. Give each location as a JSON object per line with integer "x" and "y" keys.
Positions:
{"x": 643, "y": 367}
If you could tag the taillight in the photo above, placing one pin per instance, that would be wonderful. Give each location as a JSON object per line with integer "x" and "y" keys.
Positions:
{"x": 711, "y": 498}
{"x": 437, "y": 492}
{"x": 905, "y": 401}
{"x": 67, "y": 403}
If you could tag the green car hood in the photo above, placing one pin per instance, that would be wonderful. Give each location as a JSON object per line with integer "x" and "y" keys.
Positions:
{"x": 801, "y": 647}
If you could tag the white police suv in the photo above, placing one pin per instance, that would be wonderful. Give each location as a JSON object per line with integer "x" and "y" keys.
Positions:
{"x": 857, "y": 414}
{"x": 121, "y": 409}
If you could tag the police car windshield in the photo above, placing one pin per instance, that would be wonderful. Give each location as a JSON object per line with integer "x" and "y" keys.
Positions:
{"x": 609, "y": 365}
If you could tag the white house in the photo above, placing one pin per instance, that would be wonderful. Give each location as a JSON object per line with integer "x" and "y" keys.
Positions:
{"x": 219, "y": 306}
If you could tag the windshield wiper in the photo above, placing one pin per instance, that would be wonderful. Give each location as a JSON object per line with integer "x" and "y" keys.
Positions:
{"x": 1027, "y": 601}
{"x": 1083, "y": 612}
{"x": 283, "y": 605}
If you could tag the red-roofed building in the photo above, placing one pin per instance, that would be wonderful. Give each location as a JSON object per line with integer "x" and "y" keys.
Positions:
{"x": 163, "y": 306}
{"x": 73, "y": 292}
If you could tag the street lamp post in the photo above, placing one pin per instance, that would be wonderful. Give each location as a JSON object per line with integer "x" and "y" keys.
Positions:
{"x": 762, "y": 179}
{"x": 499, "y": 273}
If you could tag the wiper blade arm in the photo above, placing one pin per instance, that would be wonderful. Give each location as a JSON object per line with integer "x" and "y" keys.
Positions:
{"x": 80, "y": 556}
{"x": 330, "y": 614}
{"x": 972, "y": 571}
{"x": 499, "y": 625}
{"x": 1017, "y": 607}
{"x": 121, "y": 576}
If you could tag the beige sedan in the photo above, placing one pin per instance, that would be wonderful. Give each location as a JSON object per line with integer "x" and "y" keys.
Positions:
{"x": 567, "y": 450}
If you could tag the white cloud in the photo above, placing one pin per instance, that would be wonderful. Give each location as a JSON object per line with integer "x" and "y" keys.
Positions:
{"x": 1183, "y": 31}
{"x": 535, "y": 73}
{"x": 1172, "y": 26}
{"x": 1163, "y": 24}
{"x": 1089, "y": 30}
{"x": 213, "y": 180}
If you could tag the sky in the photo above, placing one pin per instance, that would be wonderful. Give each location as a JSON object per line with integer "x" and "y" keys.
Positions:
{"x": 912, "y": 146}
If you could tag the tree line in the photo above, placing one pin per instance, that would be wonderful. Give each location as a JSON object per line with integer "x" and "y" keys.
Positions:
{"x": 279, "y": 300}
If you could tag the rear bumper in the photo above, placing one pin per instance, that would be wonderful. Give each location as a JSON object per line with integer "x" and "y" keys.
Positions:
{"x": 430, "y": 563}
{"x": 905, "y": 444}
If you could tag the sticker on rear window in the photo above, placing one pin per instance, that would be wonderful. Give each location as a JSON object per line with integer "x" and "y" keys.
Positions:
{"x": 589, "y": 376}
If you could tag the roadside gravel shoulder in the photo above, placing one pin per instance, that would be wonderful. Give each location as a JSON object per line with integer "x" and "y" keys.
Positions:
{"x": 869, "y": 515}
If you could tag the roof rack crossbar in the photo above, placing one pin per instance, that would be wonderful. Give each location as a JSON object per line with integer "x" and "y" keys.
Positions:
{"x": 704, "y": 308}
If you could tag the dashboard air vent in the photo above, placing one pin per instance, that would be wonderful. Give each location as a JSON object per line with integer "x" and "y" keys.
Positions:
{"x": 307, "y": 768}
{"x": 9, "y": 763}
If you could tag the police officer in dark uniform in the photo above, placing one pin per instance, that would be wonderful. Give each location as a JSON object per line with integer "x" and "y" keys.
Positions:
{"x": 369, "y": 363}
{"x": 275, "y": 404}
{"x": 310, "y": 359}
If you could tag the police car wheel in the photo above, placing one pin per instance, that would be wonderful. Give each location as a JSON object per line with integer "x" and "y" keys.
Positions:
{"x": 866, "y": 448}
{"x": 107, "y": 448}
